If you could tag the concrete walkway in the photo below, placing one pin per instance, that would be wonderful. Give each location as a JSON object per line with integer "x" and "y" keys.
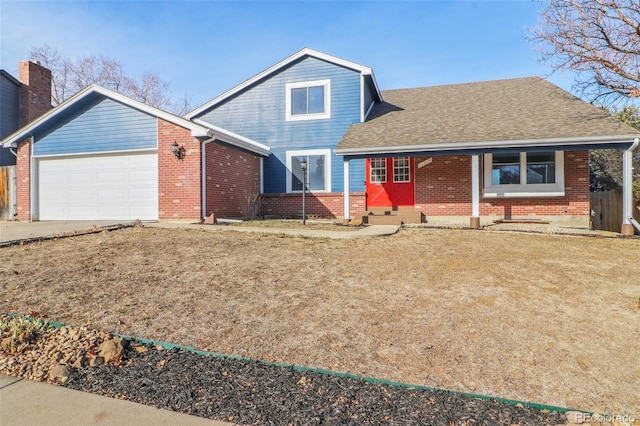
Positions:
{"x": 14, "y": 230}
{"x": 17, "y": 231}
{"x": 365, "y": 232}
{"x": 26, "y": 402}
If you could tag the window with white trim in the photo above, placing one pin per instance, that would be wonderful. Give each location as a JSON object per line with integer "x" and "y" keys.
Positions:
{"x": 524, "y": 174}
{"x": 401, "y": 170}
{"x": 308, "y": 100}
{"x": 318, "y": 173}
{"x": 378, "y": 170}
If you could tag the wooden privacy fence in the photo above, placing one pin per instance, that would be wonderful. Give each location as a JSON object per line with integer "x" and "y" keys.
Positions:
{"x": 8, "y": 191}
{"x": 606, "y": 210}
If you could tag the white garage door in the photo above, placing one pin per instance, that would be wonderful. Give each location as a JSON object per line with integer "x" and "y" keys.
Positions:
{"x": 98, "y": 187}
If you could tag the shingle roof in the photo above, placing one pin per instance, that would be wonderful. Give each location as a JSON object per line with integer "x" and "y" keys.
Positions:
{"x": 479, "y": 114}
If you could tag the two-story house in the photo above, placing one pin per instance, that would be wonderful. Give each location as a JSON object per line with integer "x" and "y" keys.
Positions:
{"x": 467, "y": 152}
{"x": 301, "y": 108}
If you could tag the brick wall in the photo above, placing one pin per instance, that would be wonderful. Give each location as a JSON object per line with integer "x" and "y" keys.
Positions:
{"x": 35, "y": 100}
{"x": 232, "y": 177}
{"x": 179, "y": 193}
{"x": 323, "y": 205}
{"x": 443, "y": 188}
{"x": 35, "y": 94}
{"x": 23, "y": 175}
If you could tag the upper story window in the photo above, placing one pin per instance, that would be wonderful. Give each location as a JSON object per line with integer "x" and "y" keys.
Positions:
{"x": 308, "y": 100}
{"x": 524, "y": 174}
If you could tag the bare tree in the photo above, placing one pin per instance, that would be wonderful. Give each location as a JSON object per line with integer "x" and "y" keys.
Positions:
{"x": 598, "y": 39}
{"x": 71, "y": 76}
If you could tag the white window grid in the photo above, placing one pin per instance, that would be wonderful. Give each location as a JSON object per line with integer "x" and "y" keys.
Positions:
{"x": 378, "y": 170}
{"x": 401, "y": 170}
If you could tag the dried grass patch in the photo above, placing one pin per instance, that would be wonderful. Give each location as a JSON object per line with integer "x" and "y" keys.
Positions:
{"x": 541, "y": 318}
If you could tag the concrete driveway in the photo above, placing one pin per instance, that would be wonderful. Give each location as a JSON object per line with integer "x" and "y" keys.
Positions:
{"x": 13, "y": 230}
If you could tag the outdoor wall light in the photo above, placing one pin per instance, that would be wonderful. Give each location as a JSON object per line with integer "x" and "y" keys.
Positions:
{"x": 178, "y": 150}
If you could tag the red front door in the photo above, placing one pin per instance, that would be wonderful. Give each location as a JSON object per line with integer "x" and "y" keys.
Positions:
{"x": 389, "y": 182}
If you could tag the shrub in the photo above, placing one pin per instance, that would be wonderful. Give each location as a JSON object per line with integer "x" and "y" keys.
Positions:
{"x": 17, "y": 333}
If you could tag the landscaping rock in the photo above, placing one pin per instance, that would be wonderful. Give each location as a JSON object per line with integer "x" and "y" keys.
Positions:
{"x": 246, "y": 392}
{"x": 111, "y": 350}
{"x": 59, "y": 373}
{"x": 96, "y": 361}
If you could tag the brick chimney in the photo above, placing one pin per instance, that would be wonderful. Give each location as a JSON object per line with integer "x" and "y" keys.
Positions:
{"x": 35, "y": 94}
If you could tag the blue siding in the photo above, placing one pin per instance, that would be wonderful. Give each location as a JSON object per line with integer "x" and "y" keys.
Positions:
{"x": 368, "y": 95}
{"x": 100, "y": 125}
{"x": 9, "y": 115}
{"x": 357, "y": 172}
{"x": 259, "y": 113}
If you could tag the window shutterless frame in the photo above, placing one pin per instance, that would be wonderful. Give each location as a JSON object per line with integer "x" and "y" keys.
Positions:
{"x": 308, "y": 100}
{"x": 318, "y": 170}
{"x": 533, "y": 174}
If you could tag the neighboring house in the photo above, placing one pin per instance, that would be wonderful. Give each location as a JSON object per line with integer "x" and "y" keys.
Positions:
{"x": 508, "y": 149}
{"x": 22, "y": 101}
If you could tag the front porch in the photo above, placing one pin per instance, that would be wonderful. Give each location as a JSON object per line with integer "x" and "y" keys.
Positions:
{"x": 451, "y": 190}
{"x": 508, "y": 137}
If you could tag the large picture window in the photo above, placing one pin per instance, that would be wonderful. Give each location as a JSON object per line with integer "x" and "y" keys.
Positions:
{"x": 318, "y": 170}
{"x": 309, "y": 100}
{"x": 524, "y": 174}
{"x": 541, "y": 167}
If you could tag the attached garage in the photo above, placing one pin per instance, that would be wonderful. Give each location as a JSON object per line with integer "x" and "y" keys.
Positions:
{"x": 98, "y": 187}
{"x": 103, "y": 156}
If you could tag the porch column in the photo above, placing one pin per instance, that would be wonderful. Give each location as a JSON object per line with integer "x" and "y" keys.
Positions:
{"x": 627, "y": 193}
{"x": 475, "y": 191}
{"x": 346, "y": 189}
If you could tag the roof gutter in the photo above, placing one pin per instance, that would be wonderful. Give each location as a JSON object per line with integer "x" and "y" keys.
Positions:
{"x": 522, "y": 143}
{"x": 234, "y": 139}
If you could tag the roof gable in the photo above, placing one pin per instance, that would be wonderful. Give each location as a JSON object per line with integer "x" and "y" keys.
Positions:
{"x": 516, "y": 112}
{"x": 363, "y": 70}
{"x": 91, "y": 92}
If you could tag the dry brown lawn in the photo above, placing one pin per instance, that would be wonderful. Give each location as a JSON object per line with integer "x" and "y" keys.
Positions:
{"x": 542, "y": 318}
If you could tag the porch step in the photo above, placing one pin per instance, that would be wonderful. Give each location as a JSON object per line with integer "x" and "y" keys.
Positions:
{"x": 392, "y": 215}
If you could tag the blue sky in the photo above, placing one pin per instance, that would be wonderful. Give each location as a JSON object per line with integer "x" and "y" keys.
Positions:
{"x": 203, "y": 48}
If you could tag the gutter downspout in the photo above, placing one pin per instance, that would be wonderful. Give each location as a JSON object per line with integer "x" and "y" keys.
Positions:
{"x": 628, "y": 222}
{"x": 203, "y": 176}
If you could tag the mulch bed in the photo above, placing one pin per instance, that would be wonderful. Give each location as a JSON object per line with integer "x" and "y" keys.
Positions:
{"x": 256, "y": 393}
